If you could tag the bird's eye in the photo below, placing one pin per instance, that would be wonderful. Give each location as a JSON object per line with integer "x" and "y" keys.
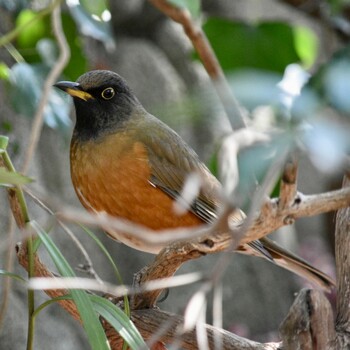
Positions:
{"x": 108, "y": 93}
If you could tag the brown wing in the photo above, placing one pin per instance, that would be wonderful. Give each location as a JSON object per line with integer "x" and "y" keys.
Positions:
{"x": 171, "y": 161}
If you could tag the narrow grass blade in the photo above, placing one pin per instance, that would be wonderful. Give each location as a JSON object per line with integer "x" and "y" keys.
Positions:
{"x": 121, "y": 323}
{"x": 12, "y": 275}
{"x": 88, "y": 315}
{"x": 111, "y": 261}
{"x": 12, "y": 178}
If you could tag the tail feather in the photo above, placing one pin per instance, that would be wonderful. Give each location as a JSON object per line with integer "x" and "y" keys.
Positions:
{"x": 293, "y": 263}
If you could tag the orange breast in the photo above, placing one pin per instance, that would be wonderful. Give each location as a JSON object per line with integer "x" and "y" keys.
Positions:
{"x": 112, "y": 176}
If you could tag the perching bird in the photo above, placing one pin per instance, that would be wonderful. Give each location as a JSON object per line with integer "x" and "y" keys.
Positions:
{"x": 129, "y": 164}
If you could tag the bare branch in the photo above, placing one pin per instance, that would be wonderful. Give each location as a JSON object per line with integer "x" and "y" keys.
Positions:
{"x": 270, "y": 219}
{"x": 207, "y": 241}
{"x": 309, "y": 323}
{"x": 14, "y": 201}
{"x": 342, "y": 244}
{"x": 51, "y": 79}
{"x": 110, "y": 223}
{"x": 208, "y": 57}
{"x": 149, "y": 322}
{"x": 40, "y": 270}
{"x": 152, "y": 321}
{"x": 288, "y": 189}
{"x": 303, "y": 205}
{"x": 117, "y": 291}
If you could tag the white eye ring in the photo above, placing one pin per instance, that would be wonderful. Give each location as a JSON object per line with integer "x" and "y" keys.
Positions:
{"x": 108, "y": 93}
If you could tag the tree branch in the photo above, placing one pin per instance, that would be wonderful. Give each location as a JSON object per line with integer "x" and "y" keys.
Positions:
{"x": 270, "y": 218}
{"x": 168, "y": 327}
{"x": 309, "y": 324}
{"x": 288, "y": 188}
{"x": 342, "y": 244}
{"x": 208, "y": 57}
{"x": 40, "y": 270}
{"x": 51, "y": 79}
{"x": 172, "y": 257}
{"x": 149, "y": 322}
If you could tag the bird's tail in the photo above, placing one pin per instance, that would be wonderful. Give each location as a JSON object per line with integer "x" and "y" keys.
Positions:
{"x": 292, "y": 262}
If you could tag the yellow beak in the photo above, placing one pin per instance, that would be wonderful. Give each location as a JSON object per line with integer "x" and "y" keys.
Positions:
{"x": 73, "y": 89}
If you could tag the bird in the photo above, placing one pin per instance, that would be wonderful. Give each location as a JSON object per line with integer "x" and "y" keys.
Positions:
{"x": 129, "y": 164}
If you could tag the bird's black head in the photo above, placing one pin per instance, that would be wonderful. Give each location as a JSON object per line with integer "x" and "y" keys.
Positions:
{"x": 103, "y": 103}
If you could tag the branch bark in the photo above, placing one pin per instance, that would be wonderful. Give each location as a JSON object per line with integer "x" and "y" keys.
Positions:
{"x": 288, "y": 189}
{"x": 342, "y": 244}
{"x": 154, "y": 325}
{"x": 168, "y": 261}
{"x": 167, "y": 328}
{"x": 50, "y": 80}
{"x": 309, "y": 324}
{"x": 40, "y": 270}
{"x": 270, "y": 218}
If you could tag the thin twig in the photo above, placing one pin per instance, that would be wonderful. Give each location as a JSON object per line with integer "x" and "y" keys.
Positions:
{"x": 268, "y": 221}
{"x": 63, "y": 283}
{"x": 342, "y": 257}
{"x": 288, "y": 188}
{"x": 51, "y": 79}
{"x": 151, "y": 320}
{"x": 208, "y": 57}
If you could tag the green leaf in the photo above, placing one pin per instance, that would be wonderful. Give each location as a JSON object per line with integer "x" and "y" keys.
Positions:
{"x": 12, "y": 178}
{"x": 13, "y": 275}
{"x": 89, "y": 318}
{"x": 268, "y": 46}
{"x": 4, "y": 71}
{"x": 33, "y": 31}
{"x": 193, "y": 6}
{"x": 96, "y": 7}
{"x": 77, "y": 64}
{"x": 4, "y": 141}
{"x": 27, "y": 39}
{"x": 306, "y": 45}
{"x": 120, "y": 322}
{"x": 49, "y": 302}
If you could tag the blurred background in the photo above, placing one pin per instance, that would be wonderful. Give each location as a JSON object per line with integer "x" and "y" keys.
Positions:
{"x": 288, "y": 64}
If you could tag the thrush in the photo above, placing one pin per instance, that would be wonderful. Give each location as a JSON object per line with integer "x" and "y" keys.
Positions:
{"x": 129, "y": 164}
